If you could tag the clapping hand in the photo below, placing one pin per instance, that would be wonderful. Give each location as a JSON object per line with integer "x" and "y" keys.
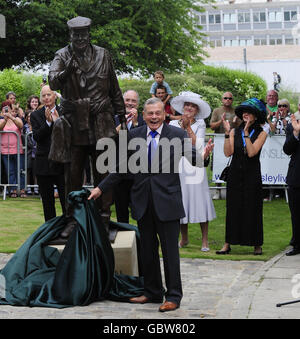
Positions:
{"x": 296, "y": 125}
{"x": 208, "y": 148}
{"x": 248, "y": 124}
{"x": 51, "y": 116}
{"x": 226, "y": 124}
{"x": 186, "y": 122}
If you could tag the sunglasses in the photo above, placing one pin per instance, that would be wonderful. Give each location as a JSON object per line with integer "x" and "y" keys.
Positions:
{"x": 227, "y": 98}
{"x": 279, "y": 106}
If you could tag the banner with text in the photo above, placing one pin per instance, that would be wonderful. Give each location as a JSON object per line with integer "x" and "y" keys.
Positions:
{"x": 274, "y": 162}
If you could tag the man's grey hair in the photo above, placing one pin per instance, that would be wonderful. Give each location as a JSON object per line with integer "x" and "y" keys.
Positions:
{"x": 132, "y": 90}
{"x": 152, "y": 101}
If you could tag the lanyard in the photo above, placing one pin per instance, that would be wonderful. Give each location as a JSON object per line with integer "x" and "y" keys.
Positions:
{"x": 243, "y": 136}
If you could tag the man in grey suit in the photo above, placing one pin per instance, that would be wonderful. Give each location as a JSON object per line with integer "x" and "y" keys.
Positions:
{"x": 157, "y": 206}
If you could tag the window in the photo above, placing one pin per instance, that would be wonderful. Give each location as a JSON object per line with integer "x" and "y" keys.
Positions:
{"x": 202, "y": 19}
{"x": 289, "y": 41}
{"x": 214, "y": 18}
{"x": 275, "y": 41}
{"x": 290, "y": 16}
{"x": 243, "y": 17}
{"x": 259, "y": 17}
{"x": 229, "y": 18}
{"x": 245, "y": 42}
{"x": 259, "y": 41}
{"x": 275, "y": 16}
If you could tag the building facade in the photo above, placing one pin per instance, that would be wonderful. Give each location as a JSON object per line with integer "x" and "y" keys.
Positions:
{"x": 251, "y": 23}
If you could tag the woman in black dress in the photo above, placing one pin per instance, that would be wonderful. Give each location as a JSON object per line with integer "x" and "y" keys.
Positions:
{"x": 244, "y": 221}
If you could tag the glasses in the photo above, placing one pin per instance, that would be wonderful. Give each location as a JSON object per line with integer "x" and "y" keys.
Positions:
{"x": 227, "y": 98}
{"x": 279, "y": 106}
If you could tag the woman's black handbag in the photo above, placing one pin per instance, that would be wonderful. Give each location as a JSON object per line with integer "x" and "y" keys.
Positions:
{"x": 224, "y": 174}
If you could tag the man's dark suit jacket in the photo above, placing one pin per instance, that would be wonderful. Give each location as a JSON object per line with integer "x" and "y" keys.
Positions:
{"x": 163, "y": 188}
{"x": 42, "y": 135}
{"x": 292, "y": 147}
{"x": 140, "y": 121}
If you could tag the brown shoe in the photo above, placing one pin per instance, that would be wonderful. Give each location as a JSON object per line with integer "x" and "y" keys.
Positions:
{"x": 143, "y": 300}
{"x": 139, "y": 300}
{"x": 168, "y": 306}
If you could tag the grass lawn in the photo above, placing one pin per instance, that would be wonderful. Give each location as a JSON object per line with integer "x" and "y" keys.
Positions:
{"x": 19, "y": 218}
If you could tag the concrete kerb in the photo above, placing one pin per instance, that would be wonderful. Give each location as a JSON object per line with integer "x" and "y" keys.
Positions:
{"x": 244, "y": 304}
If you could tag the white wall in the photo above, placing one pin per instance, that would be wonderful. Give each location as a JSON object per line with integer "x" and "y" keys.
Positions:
{"x": 289, "y": 70}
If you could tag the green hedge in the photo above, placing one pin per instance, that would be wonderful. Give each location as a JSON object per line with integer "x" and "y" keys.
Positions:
{"x": 22, "y": 83}
{"x": 210, "y": 82}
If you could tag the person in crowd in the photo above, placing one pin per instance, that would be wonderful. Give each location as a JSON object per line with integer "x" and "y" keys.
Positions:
{"x": 197, "y": 202}
{"x": 272, "y": 99}
{"x": 123, "y": 190}
{"x": 133, "y": 118}
{"x": 171, "y": 114}
{"x": 297, "y": 113}
{"x": 157, "y": 206}
{"x": 292, "y": 147}
{"x": 11, "y": 145}
{"x": 31, "y": 152}
{"x": 216, "y": 120}
{"x": 244, "y": 219}
{"x": 281, "y": 118}
{"x": 276, "y": 81}
{"x": 272, "y": 108}
{"x": 159, "y": 78}
{"x": 11, "y": 96}
{"x": 33, "y": 103}
{"x": 48, "y": 173}
{"x": 216, "y": 123}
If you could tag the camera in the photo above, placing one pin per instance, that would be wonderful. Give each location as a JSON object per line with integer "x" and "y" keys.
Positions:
{"x": 6, "y": 109}
{"x": 44, "y": 78}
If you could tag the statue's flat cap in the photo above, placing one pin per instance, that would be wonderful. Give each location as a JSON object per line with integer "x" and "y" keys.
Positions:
{"x": 79, "y": 22}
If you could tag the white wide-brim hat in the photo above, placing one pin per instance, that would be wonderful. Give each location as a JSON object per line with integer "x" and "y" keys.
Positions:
{"x": 178, "y": 102}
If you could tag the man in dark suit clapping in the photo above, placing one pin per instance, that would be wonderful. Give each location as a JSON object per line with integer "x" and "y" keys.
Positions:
{"x": 157, "y": 205}
{"x": 292, "y": 147}
{"x": 48, "y": 174}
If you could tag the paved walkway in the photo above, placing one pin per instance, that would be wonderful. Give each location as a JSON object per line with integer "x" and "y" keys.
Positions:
{"x": 212, "y": 289}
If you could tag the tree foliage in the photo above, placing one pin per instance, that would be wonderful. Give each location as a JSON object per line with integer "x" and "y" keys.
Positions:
{"x": 141, "y": 35}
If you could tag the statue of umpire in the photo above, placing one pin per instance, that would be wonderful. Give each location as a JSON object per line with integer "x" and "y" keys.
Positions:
{"x": 91, "y": 97}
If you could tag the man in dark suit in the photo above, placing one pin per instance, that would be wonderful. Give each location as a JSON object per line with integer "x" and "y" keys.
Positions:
{"x": 157, "y": 205}
{"x": 48, "y": 174}
{"x": 292, "y": 147}
{"x": 123, "y": 189}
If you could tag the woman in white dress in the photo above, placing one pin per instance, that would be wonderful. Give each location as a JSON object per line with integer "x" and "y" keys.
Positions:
{"x": 196, "y": 197}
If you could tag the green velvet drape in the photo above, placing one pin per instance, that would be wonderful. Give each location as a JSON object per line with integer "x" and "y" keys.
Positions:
{"x": 37, "y": 275}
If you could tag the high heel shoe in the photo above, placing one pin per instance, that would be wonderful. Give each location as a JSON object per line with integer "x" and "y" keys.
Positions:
{"x": 224, "y": 252}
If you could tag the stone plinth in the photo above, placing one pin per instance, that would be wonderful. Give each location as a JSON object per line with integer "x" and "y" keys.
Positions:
{"x": 125, "y": 252}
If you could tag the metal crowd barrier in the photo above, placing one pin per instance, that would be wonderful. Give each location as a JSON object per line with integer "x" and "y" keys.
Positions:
{"x": 7, "y": 184}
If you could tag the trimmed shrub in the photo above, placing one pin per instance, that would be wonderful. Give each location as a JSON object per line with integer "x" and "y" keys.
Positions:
{"x": 22, "y": 83}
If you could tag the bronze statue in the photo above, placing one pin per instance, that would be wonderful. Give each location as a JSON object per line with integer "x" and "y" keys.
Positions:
{"x": 91, "y": 97}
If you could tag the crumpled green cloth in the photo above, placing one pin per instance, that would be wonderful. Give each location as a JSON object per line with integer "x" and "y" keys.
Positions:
{"x": 37, "y": 275}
